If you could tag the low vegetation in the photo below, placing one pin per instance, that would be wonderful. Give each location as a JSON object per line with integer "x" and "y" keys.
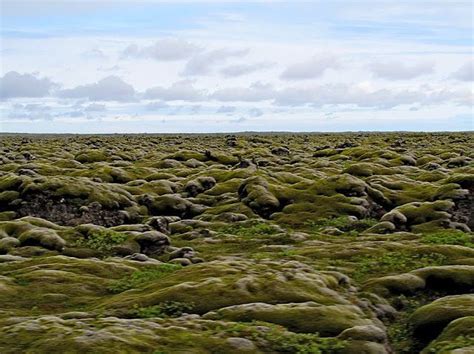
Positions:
{"x": 248, "y": 243}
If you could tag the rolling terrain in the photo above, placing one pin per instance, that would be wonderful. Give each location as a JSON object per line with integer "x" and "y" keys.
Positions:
{"x": 246, "y": 243}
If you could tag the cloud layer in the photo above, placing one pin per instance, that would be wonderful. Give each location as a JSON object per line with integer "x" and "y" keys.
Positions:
{"x": 393, "y": 70}
{"x": 110, "y": 88}
{"x": 14, "y": 84}
{"x": 293, "y": 66}
{"x": 167, "y": 49}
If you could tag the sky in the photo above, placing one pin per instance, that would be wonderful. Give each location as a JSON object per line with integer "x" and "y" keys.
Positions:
{"x": 227, "y": 66}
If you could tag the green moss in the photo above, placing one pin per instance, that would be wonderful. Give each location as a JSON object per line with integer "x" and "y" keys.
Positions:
{"x": 343, "y": 223}
{"x": 79, "y": 188}
{"x": 417, "y": 213}
{"x": 10, "y": 181}
{"x": 200, "y": 283}
{"x": 89, "y": 156}
{"x": 459, "y": 334}
{"x": 365, "y": 169}
{"x": 8, "y": 196}
{"x": 185, "y": 155}
{"x": 42, "y": 237}
{"x": 249, "y": 229}
{"x": 307, "y": 317}
{"x": 298, "y": 215}
{"x": 429, "y": 320}
{"x": 256, "y": 194}
{"x": 102, "y": 304}
{"x": 7, "y": 215}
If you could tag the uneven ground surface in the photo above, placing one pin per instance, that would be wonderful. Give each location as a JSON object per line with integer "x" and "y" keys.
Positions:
{"x": 303, "y": 243}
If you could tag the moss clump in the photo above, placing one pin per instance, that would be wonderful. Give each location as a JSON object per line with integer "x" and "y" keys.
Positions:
{"x": 417, "y": 213}
{"x": 429, "y": 320}
{"x": 185, "y": 155}
{"x": 343, "y": 223}
{"x": 459, "y": 334}
{"x": 366, "y": 169}
{"x": 306, "y": 317}
{"x": 89, "y": 156}
{"x": 450, "y": 279}
{"x": 10, "y": 181}
{"x": 42, "y": 237}
{"x": 249, "y": 230}
{"x": 256, "y": 194}
{"x": 171, "y": 205}
{"x": 236, "y": 282}
{"x": 8, "y": 196}
{"x": 199, "y": 185}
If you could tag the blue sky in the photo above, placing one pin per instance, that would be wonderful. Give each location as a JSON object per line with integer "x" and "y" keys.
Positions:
{"x": 152, "y": 66}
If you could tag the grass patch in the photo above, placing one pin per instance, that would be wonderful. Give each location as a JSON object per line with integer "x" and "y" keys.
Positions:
{"x": 396, "y": 262}
{"x": 449, "y": 237}
{"x": 258, "y": 229}
{"x": 164, "y": 309}
{"x": 342, "y": 223}
{"x": 22, "y": 281}
{"x": 141, "y": 277}
{"x": 101, "y": 240}
{"x": 456, "y": 343}
{"x": 279, "y": 340}
{"x": 399, "y": 331}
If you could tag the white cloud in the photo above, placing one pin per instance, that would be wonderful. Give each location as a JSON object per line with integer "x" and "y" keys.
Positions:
{"x": 256, "y": 92}
{"x": 382, "y": 98}
{"x": 239, "y": 120}
{"x": 195, "y": 109}
{"x": 181, "y": 90}
{"x": 255, "y": 112}
{"x": 72, "y": 114}
{"x": 36, "y": 107}
{"x": 110, "y": 88}
{"x": 14, "y": 84}
{"x": 109, "y": 68}
{"x": 94, "y": 53}
{"x": 465, "y": 72}
{"x": 156, "y": 106}
{"x": 95, "y": 107}
{"x": 243, "y": 69}
{"x": 394, "y": 70}
{"x": 226, "y": 109}
{"x": 168, "y": 49}
{"x": 204, "y": 63}
{"x": 31, "y": 111}
{"x": 313, "y": 68}
{"x": 342, "y": 94}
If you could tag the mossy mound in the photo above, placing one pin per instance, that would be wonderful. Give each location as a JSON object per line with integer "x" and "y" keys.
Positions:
{"x": 456, "y": 338}
{"x": 429, "y": 320}
{"x": 447, "y": 279}
{"x": 306, "y": 317}
{"x": 217, "y": 284}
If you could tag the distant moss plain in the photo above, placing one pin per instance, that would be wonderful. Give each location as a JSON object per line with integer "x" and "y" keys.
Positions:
{"x": 237, "y": 243}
